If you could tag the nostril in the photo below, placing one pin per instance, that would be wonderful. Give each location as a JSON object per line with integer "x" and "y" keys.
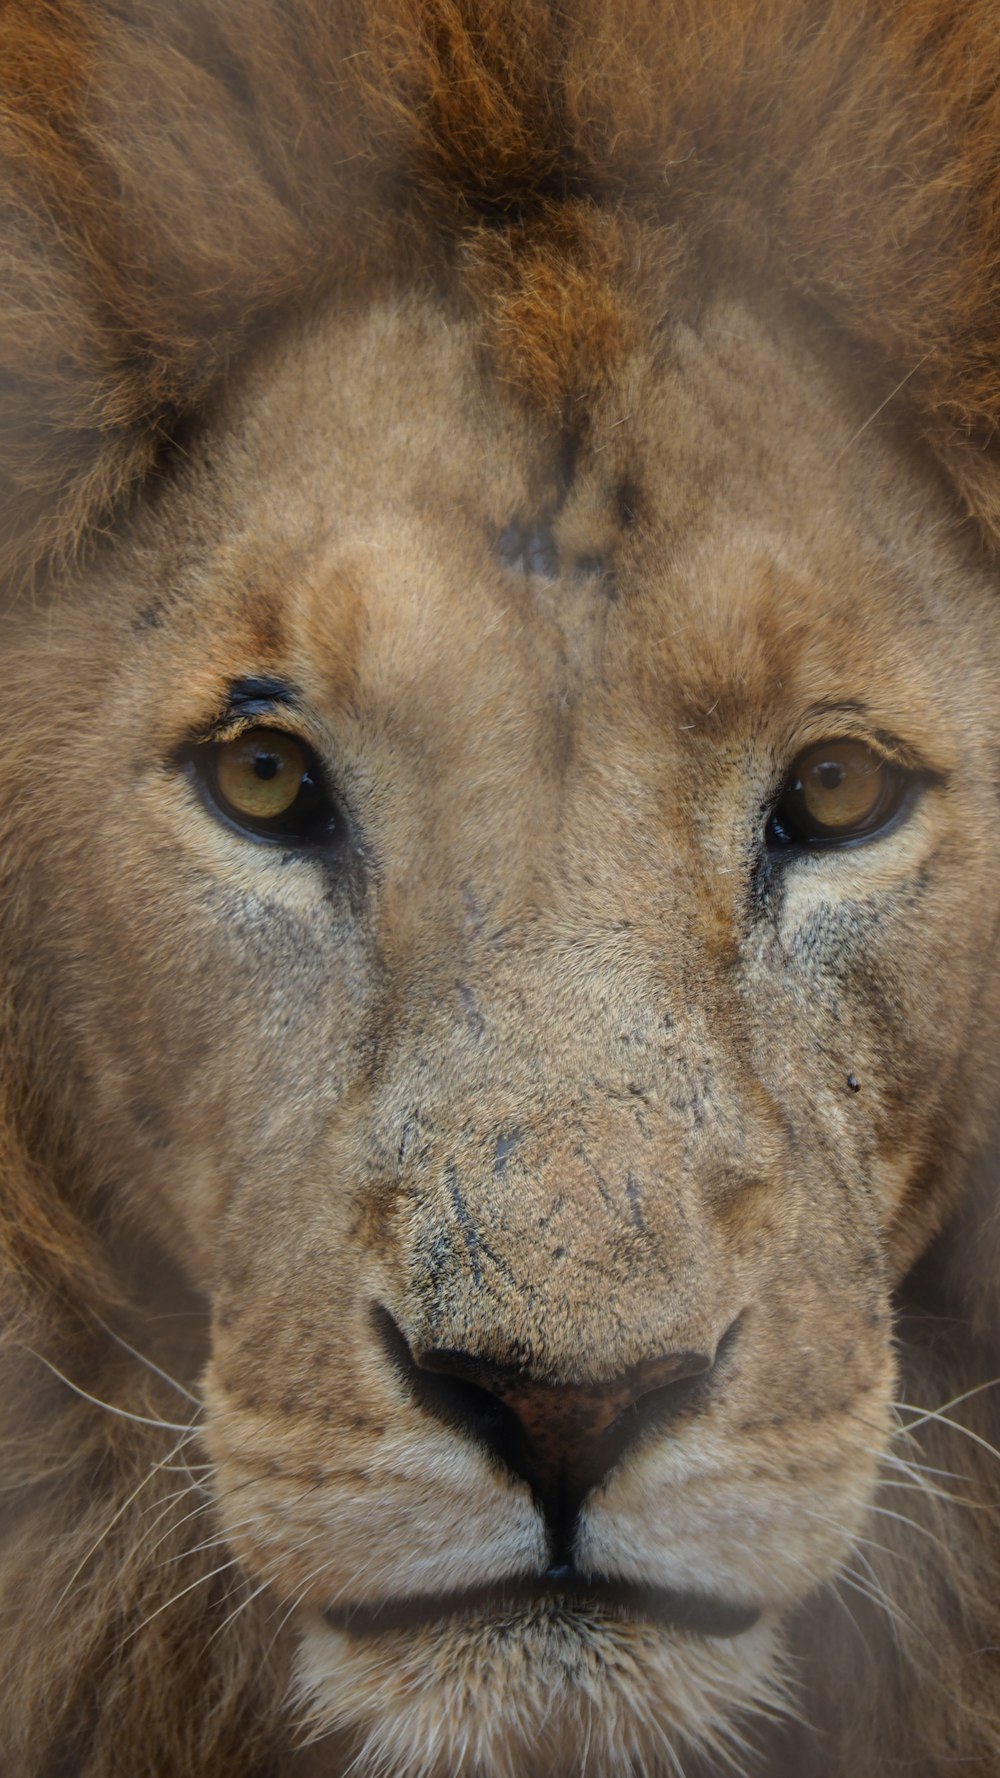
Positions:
{"x": 657, "y": 1402}
{"x": 662, "y": 1402}
{"x": 653, "y": 1411}
{"x": 452, "y": 1398}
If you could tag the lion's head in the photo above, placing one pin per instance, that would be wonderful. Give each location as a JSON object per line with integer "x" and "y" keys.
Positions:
{"x": 500, "y": 885}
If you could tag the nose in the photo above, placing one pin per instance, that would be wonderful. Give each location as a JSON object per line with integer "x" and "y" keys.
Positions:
{"x": 561, "y": 1438}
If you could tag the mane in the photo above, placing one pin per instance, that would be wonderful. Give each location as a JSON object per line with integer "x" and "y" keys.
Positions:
{"x": 182, "y": 181}
{"x": 178, "y": 180}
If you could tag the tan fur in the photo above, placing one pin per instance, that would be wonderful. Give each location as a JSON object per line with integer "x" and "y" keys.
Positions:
{"x": 306, "y": 307}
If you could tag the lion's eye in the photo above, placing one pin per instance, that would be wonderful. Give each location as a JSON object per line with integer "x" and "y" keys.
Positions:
{"x": 268, "y": 784}
{"x": 261, "y": 774}
{"x": 837, "y": 791}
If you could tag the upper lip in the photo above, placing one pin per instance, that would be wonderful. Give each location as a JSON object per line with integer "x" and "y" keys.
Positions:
{"x": 702, "y": 1613}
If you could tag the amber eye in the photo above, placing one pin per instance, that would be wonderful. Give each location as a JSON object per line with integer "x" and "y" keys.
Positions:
{"x": 837, "y": 791}
{"x": 268, "y": 784}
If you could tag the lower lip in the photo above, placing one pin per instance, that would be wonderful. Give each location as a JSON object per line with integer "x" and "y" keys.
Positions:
{"x": 694, "y": 1612}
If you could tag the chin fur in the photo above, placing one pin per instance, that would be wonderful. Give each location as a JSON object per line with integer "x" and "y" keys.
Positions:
{"x": 546, "y": 1696}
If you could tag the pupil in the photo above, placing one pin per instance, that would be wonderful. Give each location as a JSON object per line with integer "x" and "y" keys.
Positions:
{"x": 266, "y": 766}
{"x": 831, "y": 776}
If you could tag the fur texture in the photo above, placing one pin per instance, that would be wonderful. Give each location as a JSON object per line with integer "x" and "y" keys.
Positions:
{"x": 694, "y": 308}
{"x": 177, "y": 178}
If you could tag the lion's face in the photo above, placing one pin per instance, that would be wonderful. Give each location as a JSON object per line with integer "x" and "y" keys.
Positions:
{"x": 544, "y": 1100}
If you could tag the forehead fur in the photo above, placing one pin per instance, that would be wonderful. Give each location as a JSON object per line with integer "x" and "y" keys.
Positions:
{"x": 176, "y": 179}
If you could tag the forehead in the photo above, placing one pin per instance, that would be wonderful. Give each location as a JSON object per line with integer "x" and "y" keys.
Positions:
{"x": 727, "y": 530}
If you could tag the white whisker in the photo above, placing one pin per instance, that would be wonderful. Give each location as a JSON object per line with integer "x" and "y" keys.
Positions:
{"x": 881, "y": 406}
{"x": 109, "y": 1527}
{"x": 148, "y": 1362}
{"x": 886, "y": 1512}
{"x": 176, "y": 1597}
{"x": 109, "y": 1407}
{"x": 231, "y": 1619}
{"x": 906, "y": 1407}
{"x": 928, "y": 1414}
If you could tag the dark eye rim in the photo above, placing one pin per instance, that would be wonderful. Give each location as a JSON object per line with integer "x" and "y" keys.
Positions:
{"x": 322, "y": 829}
{"x": 908, "y": 787}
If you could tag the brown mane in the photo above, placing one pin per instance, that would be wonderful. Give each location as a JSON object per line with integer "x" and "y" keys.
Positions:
{"x": 178, "y": 182}
{"x": 177, "y": 179}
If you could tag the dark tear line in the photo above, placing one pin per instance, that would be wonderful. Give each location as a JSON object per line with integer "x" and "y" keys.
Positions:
{"x": 505, "y": 1147}
{"x": 634, "y": 1192}
{"x": 466, "y": 1225}
{"x": 602, "y": 1184}
{"x": 474, "y": 1018}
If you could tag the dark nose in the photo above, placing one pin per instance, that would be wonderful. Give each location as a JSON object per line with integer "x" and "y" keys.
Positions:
{"x": 561, "y": 1438}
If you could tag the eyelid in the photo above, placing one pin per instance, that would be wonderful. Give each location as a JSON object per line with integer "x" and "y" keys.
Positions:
{"x": 230, "y": 724}
{"x": 247, "y": 702}
{"x": 853, "y": 722}
{"x": 230, "y": 727}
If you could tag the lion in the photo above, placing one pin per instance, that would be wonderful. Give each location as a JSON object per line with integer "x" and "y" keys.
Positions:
{"x": 498, "y": 999}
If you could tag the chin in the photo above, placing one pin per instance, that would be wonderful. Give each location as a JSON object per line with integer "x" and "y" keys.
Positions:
{"x": 540, "y": 1690}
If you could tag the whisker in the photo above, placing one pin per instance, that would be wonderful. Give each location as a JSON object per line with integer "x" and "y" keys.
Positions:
{"x": 203, "y": 1506}
{"x": 886, "y": 1512}
{"x": 916, "y": 1467}
{"x": 920, "y": 1487}
{"x": 880, "y": 1599}
{"x": 296, "y": 1601}
{"x": 148, "y": 1362}
{"x": 209, "y": 1504}
{"x": 906, "y": 1407}
{"x": 109, "y": 1407}
{"x": 109, "y": 1527}
{"x": 856, "y": 1542}
{"x": 956, "y": 1426}
{"x": 176, "y": 1597}
{"x": 218, "y": 1540}
{"x": 231, "y": 1619}
{"x": 832, "y": 1587}
{"x": 882, "y": 404}
{"x": 876, "y": 1593}
{"x": 910, "y": 1466}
